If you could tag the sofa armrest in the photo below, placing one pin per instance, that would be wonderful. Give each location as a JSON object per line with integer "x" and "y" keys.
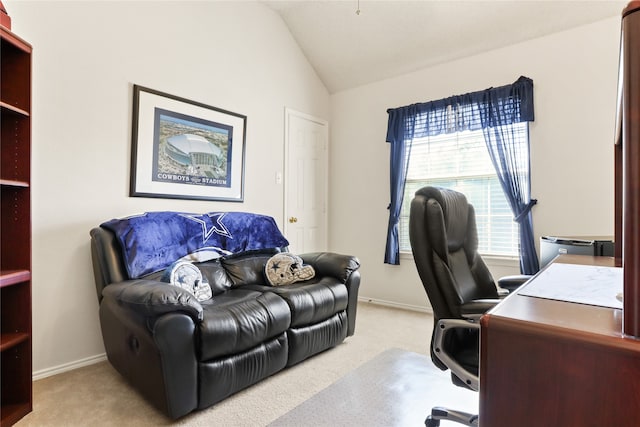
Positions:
{"x": 153, "y": 298}
{"x": 344, "y": 268}
{"x": 332, "y": 264}
{"x": 156, "y": 355}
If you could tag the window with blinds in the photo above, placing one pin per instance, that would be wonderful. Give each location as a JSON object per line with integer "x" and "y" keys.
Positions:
{"x": 460, "y": 161}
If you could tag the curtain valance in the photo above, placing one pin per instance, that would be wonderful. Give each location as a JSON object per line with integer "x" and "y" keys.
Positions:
{"x": 491, "y": 107}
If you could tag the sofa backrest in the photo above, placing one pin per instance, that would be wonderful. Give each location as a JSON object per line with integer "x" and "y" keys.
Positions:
{"x": 234, "y": 270}
{"x": 106, "y": 256}
{"x": 248, "y": 268}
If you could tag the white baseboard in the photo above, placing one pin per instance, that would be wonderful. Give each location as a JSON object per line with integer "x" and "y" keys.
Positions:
{"x": 393, "y": 304}
{"x": 48, "y": 372}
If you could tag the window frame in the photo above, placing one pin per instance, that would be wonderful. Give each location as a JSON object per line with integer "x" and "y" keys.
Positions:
{"x": 455, "y": 137}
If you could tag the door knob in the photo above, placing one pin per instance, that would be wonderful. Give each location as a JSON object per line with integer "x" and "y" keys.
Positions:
{"x": 293, "y": 219}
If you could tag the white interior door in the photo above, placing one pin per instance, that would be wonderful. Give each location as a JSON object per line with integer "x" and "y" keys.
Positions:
{"x": 306, "y": 182}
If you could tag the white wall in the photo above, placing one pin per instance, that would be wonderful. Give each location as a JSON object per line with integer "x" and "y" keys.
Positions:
{"x": 574, "y": 75}
{"x": 87, "y": 55}
{"x": 240, "y": 56}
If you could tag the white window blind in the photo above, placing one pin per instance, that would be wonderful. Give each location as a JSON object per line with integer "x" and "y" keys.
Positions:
{"x": 460, "y": 161}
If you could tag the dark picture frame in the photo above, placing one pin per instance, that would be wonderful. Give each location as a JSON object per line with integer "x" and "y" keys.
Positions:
{"x": 182, "y": 149}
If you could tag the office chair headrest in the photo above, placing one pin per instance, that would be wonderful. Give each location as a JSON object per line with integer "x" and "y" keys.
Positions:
{"x": 455, "y": 210}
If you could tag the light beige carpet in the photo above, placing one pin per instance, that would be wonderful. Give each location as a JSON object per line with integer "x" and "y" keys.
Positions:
{"x": 96, "y": 395}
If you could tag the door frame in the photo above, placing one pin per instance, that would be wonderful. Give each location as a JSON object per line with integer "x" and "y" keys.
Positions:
{"x": 288, "y": 113}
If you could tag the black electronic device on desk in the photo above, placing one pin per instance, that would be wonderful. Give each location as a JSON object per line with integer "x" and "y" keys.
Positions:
{"x": 551, "y": 247}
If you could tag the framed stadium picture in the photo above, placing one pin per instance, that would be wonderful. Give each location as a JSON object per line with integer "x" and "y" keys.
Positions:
{"x": 182, "y": 149}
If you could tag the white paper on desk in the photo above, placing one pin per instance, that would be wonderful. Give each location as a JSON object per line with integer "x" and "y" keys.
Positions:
{"x": 584, "y": 284}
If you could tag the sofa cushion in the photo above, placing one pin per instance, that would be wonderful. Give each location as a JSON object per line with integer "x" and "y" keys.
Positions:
{"x": 312, "y": 301}
{"x": 216, "y": 276}
{"x": 240, "y": 319}
{"x": 247, "y": 268}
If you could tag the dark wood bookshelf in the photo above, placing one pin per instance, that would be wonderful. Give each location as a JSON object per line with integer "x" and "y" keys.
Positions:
{"x": 15, "y": 227}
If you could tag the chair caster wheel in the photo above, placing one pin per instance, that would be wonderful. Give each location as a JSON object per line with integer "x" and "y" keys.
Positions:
{"x": 430, "y": 422}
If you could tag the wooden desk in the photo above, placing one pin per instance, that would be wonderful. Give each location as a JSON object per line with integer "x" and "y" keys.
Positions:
{"x": 559, "y": 364}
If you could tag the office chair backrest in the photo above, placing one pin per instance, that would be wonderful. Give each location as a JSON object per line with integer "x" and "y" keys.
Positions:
{"x": 444, "y": 240}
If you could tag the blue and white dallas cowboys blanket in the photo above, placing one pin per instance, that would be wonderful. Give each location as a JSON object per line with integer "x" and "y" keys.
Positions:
{"x": 154, "y": 240}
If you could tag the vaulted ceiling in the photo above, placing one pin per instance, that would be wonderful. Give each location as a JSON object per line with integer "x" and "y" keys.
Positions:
{"x": 393, "y": 37}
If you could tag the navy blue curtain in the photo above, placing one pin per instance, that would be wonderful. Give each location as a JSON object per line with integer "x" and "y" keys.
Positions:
{"x": 511, "y": 160}
{"x": 399, "y": 134}
{"x": 491, "y": 110}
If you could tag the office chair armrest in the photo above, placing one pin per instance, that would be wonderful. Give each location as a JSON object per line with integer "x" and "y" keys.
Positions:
{"x": 502, "y": 292}
{"x": 471, "y": 380}
{"x": 511, "y": 283}
{"x": 476, "y": 308}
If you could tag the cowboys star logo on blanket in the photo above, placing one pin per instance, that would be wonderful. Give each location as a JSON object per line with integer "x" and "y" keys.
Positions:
{"x": 216, "y": 225}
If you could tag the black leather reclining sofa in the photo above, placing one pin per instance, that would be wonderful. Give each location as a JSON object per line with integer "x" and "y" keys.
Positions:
{"x": 184, "y": 355}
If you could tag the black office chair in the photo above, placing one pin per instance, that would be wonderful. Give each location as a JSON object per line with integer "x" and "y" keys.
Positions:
{"x": 444, "y": 240}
